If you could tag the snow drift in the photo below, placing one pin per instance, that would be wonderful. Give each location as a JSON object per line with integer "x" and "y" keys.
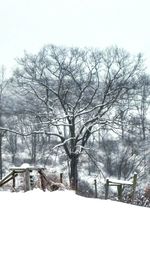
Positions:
{"x": 62, "y": 229}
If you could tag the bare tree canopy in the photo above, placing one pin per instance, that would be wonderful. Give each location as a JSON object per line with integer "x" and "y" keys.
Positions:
{"x": 73, "y": 91}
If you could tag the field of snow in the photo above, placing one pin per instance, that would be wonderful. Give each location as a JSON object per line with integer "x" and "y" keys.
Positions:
{"x": 63, "y": 229}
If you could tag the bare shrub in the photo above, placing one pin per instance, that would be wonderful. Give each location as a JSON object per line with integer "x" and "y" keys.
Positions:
{"x": 85, "y": 189}
{"x": 147, "y": 192}
{"x": 53, "y": 176}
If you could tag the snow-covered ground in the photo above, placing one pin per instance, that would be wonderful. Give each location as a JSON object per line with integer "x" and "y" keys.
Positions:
{"x": 63, "y": 229}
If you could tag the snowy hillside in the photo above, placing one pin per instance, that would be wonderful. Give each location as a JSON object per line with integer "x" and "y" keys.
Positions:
{"x": 63, "y": 229}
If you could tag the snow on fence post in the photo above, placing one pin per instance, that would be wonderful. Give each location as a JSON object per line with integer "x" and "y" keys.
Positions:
{"x": 95, "y": 185}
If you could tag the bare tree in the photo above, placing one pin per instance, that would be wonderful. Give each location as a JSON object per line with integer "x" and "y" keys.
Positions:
{"x": 76, "y": 89}
{"x": 142, "y": 101}
{"x": 3, "y": 84}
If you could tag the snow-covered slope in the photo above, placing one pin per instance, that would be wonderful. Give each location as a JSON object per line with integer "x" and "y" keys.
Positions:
{"x": 63, "y": 229}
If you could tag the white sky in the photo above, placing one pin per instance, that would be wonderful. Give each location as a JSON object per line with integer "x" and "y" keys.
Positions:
{"x": 30, "y": 24}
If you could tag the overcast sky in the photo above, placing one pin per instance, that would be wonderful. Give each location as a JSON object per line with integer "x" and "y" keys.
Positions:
{"x": 31, "y": 24}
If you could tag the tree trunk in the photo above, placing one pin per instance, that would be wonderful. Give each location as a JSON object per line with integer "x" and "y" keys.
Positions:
{"x": 74, "y": 171}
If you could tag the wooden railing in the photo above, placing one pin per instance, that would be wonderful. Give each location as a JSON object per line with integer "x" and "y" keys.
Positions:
{"x": 120, "y": 184}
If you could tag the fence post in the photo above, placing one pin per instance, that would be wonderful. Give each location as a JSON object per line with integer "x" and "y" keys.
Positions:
{"x": 14, "y": 180}
{"x": 134, "y": 185}
{"x": 61, "y": 177}
{"x": 95, "y": 185}
{"x": 119, "y": 189}
{"x": 43, "y": 183}
{"x": 106, "y": 188}
{"x": 27, "y": 180}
